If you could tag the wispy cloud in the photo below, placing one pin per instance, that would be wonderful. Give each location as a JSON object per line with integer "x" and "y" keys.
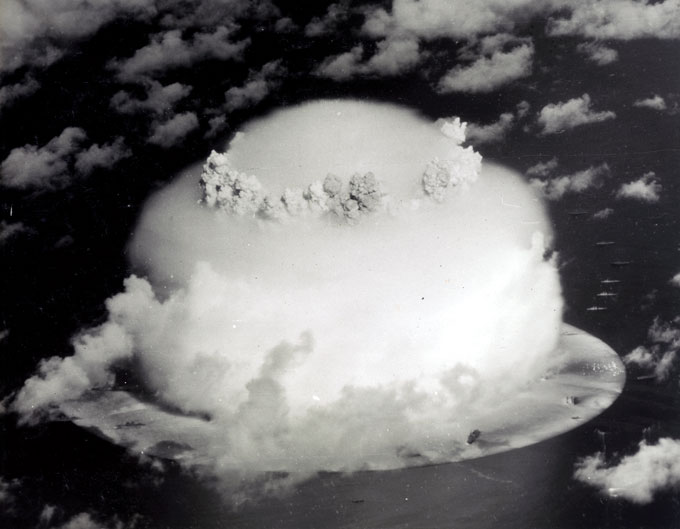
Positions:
{"x": 10, "y": 93}
{"x": 558, "y": 117}
{"x": 658, "y": 356}
{"x": 488, "y": 73}
{"x": 556, "y": 187}
{"x": 478, "y": 134}
{"x": 543, "y": 169}
{"x": 603, "y": 214}
{"x": 647, "y": 188}
{"x": 598, "y": 53}
{"x": 392, "y": 57}
{"x": 159, "y": 98}
{"x": 257, "y": 86}
{"x": 655, "y": 102}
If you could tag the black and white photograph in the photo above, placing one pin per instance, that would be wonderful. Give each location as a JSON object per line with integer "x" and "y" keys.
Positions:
{"x": 359, "y": 264}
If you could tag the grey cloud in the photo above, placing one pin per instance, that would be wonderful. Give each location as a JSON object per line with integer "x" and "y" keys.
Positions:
{"x": 170, "y": 50}
{"x": 101, "y": 157}
{"x": 159, "y": 98}
{"x": 542, "y": 169}
{"x": 492, "y": 132}
{"x": 656, "y": 103}
{"x": 258, "y": 86}
{"x": 603, "y": 214}
{"x": 598, "y": 53}
{"x": 168, "y": 133}
{"x": 31, "y": 166}
{"x": 10, "y": 93}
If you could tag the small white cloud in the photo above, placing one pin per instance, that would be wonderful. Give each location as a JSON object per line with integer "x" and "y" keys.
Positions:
{"x": 258, "y": 86}
{"x": 159, "y": 99}
{"x": 7, "y": 491}
{"x": 659, "y": 356}
{"x": 598, "y": 53}
{"x": 170, "y": 132}
{"x": 558, "y": 117}
{"x": 656, "y": 103}
{"x": 618, "y": 19}
{"x": 335, "y": 15}
{"x": 638, "y": 477}
{"x": 523, "y": 109}
{"x": 10, "y": 93}
{"x": 676, "y": 280}
{"x": 392, "y": 57}
{"x": 31, "y": 166}
{"x": 101, "y": 157}
{"x": 84, "y": 520}
{"x": 542, "y": 169}
{"x": 488, "y": 73}
{"x": 555, "y": 188}
{"x": 603, "y": 214}
{"x": 492, "y": 132}
{"x": 647, "y": 188}
{"x": 170, "y": 50}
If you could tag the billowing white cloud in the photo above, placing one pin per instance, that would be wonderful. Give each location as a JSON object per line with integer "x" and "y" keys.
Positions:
{"x": 676, "y": 280}
{"x": 392, "y": 57}
{"x": 492, "y": 132}
{"x": 489, "y": 72}
{"x": 168, "y": 133}
{"x": 85, "y": 520}
{"x": 557, "y": 117}
{"x": 647, "y": 188}
{"x": 556, "y": 187}
{"x": 299, "y": 331}
{"x": 48, "y": 166}
{"x": 618, "y": 19}
{"x": 101, "y": 157}
{"x": 159, "y": 98}
{"x": 12, "y": 92}
{"x": 170, "y": 50}
{"x": 656, "y": 103}
{"x": 258, "y": 86}
{"x": 598, "y": 53}
{"x": 543, "y": 169}
{"x": 603, "y": 214}
{"x": 637, "y": 477}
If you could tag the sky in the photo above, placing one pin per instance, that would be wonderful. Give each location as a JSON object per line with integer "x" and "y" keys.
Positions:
{"x": 104, "y": 103}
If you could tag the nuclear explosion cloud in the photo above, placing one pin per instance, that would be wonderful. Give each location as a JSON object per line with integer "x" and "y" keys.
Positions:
{"x": 347, "y": 288}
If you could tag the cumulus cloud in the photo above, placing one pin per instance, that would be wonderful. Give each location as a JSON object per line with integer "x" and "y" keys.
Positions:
{"x": 490, "y": 72}
{"x": 159, "y": 98}
{"x": 656, "y": 103}
{"x": 101, "y": 157}
{"x": 10, "y": 93}
{"x": 85, "y": 520}
{"x": 257, "y": 87}
{"x": 31, "y": 166}
{"x": 7, "y": 491}
{"x": 556, "y": 187}
{"x": 37, "y": 32}
{"x": 543, "y": 169}
{"x": 658, "y": 356}
{"x": 335, "y": 15}
{"x": 598, "y": 53}
{"x": 168, "y": 133}
{"x": 647, "y": 188}
{"x": 170, "y": 50}
{"x": 392, "y": 57}
{"x": 676, "y": 280}
{"x": 619, "y": 19}
{"x": 637, "y": 477}
{"x": 57, "y": 162}
{"x": 602, "y": 214}
{"x": 492, "y": 132}
{"x": 558, "y": 117}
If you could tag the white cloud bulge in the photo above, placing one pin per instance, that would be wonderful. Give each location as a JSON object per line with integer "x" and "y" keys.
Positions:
{"x": 558, "y": 117}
